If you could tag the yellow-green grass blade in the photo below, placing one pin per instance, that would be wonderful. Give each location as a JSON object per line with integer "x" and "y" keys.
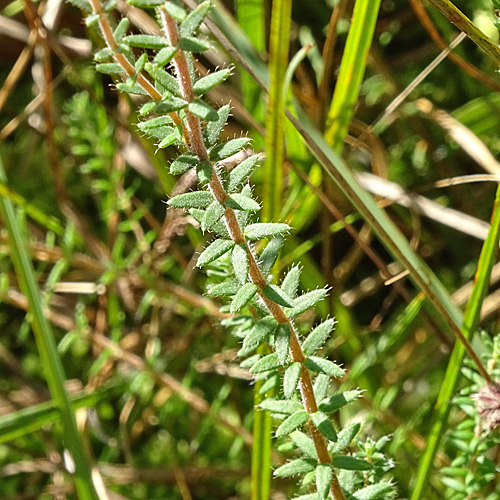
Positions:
{"x": 251, "y": 17}
{"x": 275, "y": 121}
{"x": 46, "y": 347}
{"x": 48, "y": 221}
{"x": 30, "y": 419}
{"x": 262, "y": 436}
{"x": 463, "y": 23}
{"x": 469, "y": 326}
{"x": 352, "y": 69}
{"x": 238, "y": 45}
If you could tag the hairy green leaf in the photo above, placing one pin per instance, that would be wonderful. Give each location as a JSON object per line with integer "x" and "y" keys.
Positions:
{"x": 262, "y": 329}
{"x": 213, "y": 129}
{"x": 243, "y": 297}
{"x": 373, "y": 491}
{"x": 229, "y": 148}
{"x": 274, "y": 293}
{"x": 291, "y": 423}
{"x": 157, "y": 127}
{"x": 82, "y": 5}
{"x": 140, "y": 63}
{"x": 203, "y": 85}
{"x": 183, "y": 162}
{"x": 321, "y": 386}
{"x": 240, "y": 174}
{"x": 324, "y": 425}
{"x": 271, "y": 380}
{"x": 214, "y": 250}
{"x": 309, "y": 496}
{"x": 304, "y": 443}
{"x": 103, "y": 54}
{"x": 154, "y": 42}
{"x": 91, "y": 20}
{"x": 239, "y": 201}
{"x": 266, "y": 363}
{"x": 350, "y": 463}
{"x": 191, "y": 44}
{"x": 146, "y": 4}
{"x": 344, "y": 438}
{"x": 194, "y": 19}
{"x": 164, "y": 78}
{"x": 121, "y": 29}
{"x": 270, "y": 254}
{"x": 239, "y": 259}
{"x": 226, "y": 288}
{"x": 261, "y": 230}
{"x": 175, "y": 11}
{"x": 291, "y": 379}
{"x": 317, "y": 337}
{"x": 194, "y": 199}
{"x": 109, "y": 68}
{"x": 282, "y": 342}
{"x": 323, "y": 480}
{"x": 298, "y": 466}
{"x": 247, "y": 363}
{"x": 169, "y": 104}
{"x": 164, "y": 56}
{"x": 322, "y": 365}
{"x": 203, "y": 110}
{"x": 204, "y": 171}
{"x": 131, "y": 89}
{"x": 213, "y": 214}
{"x": 284, "y": 407}
{"x": 338, "y": 400}
{"x": 147, "y": 108}
{"x": 291, "y": 282}
{"x": 307, "y": 301}
{"x": 172, "y": 138}
{"x": 109, "y": 5}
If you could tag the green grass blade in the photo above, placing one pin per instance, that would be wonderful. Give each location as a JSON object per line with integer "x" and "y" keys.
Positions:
{"x": 47, "y": 348}
{"x": 352, "y": 69}
{"x": 275, "y": 121}
{"x": 251, "y": 17}
{"x": 51, "y": 223}
{"x": 470, "y": 324}
{"x": 33, "y": 418}
{"x": 261, "y": 449}
{"x": 463, "y": 23}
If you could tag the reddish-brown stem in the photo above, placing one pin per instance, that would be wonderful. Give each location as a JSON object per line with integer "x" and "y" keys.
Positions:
{"x": 232, "y": 224}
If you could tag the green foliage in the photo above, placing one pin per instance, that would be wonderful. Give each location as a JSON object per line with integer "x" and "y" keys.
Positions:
{"x": 107, "y": 182}
{"x": 234, "y": 205}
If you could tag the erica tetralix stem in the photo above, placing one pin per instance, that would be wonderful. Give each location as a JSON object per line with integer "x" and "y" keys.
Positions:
{"x": 197, "y": 146}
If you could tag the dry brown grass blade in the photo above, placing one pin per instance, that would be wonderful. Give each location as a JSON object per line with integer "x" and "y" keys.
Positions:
{"x": 462, "y": 135}
{"x": 469, "y": 68}
{"x": 423, "y": 206}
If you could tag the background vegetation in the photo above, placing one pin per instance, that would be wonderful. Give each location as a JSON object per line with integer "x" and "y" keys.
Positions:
{"x": 165, "y": 409}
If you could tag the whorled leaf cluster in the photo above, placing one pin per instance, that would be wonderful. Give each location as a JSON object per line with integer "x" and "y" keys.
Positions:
{"x": 162, "y": 68}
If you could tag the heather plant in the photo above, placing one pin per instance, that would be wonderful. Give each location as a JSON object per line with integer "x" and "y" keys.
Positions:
{"x": 383, "y": 375}
{"x": 243, "y": 250}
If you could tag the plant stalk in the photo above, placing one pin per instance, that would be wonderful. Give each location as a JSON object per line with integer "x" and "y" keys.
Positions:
{"x": 198, "y": 147}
